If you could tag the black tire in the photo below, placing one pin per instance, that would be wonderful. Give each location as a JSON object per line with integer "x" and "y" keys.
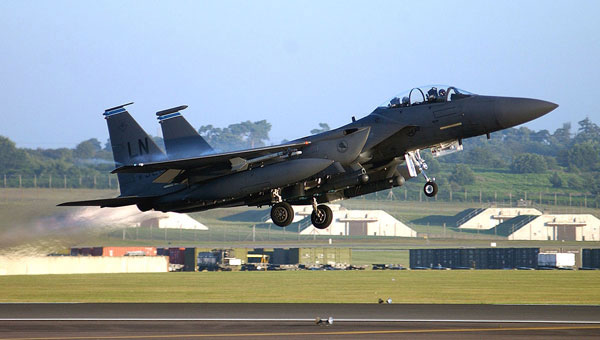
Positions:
{"x": 144, "y": 206}
{"x": 430, "y": 189}
{"x": 323, "y": 220}
{"x": 282, "y": 214}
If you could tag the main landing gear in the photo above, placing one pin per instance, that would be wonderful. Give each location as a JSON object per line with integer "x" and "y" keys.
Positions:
{"x": 282, "y": 214}
{"x": 321, "y": 216}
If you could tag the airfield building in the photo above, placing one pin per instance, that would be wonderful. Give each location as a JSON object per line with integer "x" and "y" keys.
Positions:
{"x": 488, "y": 218}
{"x": 173, "y": 220}
{"x": 567, "y": 227}
{"x": 356, "y": 223}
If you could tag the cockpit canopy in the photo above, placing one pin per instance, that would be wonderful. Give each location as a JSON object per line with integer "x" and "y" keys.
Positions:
{"x": 427, "y": 94}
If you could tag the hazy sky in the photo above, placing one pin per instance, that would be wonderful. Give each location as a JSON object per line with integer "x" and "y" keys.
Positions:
{"x": 293, "y": 63}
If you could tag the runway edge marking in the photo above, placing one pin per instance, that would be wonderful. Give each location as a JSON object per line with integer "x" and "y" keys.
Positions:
{"x": 311, "y": 320}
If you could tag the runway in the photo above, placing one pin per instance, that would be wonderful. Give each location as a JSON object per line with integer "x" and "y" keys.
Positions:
{"x": 295, "y": 321}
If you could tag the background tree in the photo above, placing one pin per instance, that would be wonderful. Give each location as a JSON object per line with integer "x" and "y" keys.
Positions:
{"x": 584, "y": 156}
{"x": 588, "y": 131}
{"x": 556, "y": 180}
{"x": 462, "y": 175}
{"x": 322, "y": 128}
{"x": 12, "y": 159}
{"x": 87, "y": 149}
{"x": 528, "y": 163}
{"x": 243, "y": 135}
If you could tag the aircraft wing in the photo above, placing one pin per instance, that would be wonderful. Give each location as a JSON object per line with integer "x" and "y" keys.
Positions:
{"x": 222, "y": 162}
{"x": 105, "y": 202}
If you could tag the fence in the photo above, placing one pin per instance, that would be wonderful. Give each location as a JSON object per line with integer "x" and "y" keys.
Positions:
{"x": 217, "y": 233}
{"x": 507, "y": 198}
{"x": 59, "y": 182}
{"x": 408, "y": 193}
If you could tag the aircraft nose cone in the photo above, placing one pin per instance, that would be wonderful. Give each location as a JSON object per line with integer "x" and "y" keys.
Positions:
{"x": 515, "y": 111}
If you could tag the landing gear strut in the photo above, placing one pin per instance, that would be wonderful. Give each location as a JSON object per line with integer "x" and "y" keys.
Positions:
{"x": 414, "y": 158}
{"x": 282, "y": 214}
{"x": 321, "y": 216}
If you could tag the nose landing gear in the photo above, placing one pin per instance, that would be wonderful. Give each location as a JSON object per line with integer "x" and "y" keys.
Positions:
{"x": 430, "y": 188}
{"x": 414, "y": 158}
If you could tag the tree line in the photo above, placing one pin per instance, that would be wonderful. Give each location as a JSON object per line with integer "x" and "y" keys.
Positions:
{"x": 518, "y": 150}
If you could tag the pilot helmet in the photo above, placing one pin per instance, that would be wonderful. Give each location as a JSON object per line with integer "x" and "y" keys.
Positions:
{"x": 405, "y": 100}
{"x": 442, "y": 92}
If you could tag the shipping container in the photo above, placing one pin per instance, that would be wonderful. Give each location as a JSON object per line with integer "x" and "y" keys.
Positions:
{"x": 556, "y": 260}
{"x": 127, "y": 251}
{"x": 591, "y": 258}
{"x": 468, "y": 258}
{"x": 189, "y": 260}
{"x": 280, "y": 256}
{"x": 421, "y": 258}
{"x": 86, "y": 251}
{"x": 477, "y": 258}
{"x": 177, "y": 256}
{"x": 526, "y": 257}
{"x": 481, "y": 258}
{"x": 294, "y": 256}
{"x": 207, "y": 261}
{"x": 321, "y": 256}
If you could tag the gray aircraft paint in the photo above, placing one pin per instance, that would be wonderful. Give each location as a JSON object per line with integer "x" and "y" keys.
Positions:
{"x": 361, "y": 157}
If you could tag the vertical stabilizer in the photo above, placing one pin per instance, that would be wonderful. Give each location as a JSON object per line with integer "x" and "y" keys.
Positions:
{"x": 181, "y": 139}
{"x": 131, "y": 145}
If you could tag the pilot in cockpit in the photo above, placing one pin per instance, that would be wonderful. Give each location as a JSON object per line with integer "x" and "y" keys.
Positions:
{"x": 405, "y": 101}
{"x": 432, "y": 94}
{"x": 395, "y": 102}
{"x": 442, "y": 95}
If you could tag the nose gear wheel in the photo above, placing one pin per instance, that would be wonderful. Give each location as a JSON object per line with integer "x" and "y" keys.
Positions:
{"x": 430, "y": 189}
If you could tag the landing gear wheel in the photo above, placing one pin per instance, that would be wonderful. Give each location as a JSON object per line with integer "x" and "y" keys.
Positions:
{"x": 322, "y": 217}
{"x": 282, "y": 214}
{"x": 430, "y": 189}
{"x": 144, "y": 206}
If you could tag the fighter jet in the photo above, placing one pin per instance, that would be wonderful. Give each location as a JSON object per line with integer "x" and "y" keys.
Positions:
{"x": 379, "y": 151}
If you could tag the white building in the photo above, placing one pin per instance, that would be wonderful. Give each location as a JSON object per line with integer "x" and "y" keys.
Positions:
{"x": 355, "y": 223}
{"x": 173, "y": 220}
{"x": 567, "y": 227}
{"x": 484, "y": 219}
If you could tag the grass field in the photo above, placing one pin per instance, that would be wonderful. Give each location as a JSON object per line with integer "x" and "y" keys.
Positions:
{"x": 470, "y": 286}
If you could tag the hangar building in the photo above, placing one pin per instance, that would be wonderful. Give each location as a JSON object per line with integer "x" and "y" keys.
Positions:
{"x": 488, "y": 218}
{"x": 355, "y": 223}
{"x": 567, "y": 227}
{"x": 173, "y": 220}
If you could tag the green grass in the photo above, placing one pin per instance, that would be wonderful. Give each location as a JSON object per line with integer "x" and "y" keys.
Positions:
{"x": 472, "y": 287}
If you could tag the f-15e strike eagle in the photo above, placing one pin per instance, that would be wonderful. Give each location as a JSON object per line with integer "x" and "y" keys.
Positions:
{"x": 377, "y": 152}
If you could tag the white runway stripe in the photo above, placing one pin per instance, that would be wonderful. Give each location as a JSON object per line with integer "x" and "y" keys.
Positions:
{"x": 311, "y": 320}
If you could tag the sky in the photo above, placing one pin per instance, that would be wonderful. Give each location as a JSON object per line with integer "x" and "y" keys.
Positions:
{"x": 293, "y": 63}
